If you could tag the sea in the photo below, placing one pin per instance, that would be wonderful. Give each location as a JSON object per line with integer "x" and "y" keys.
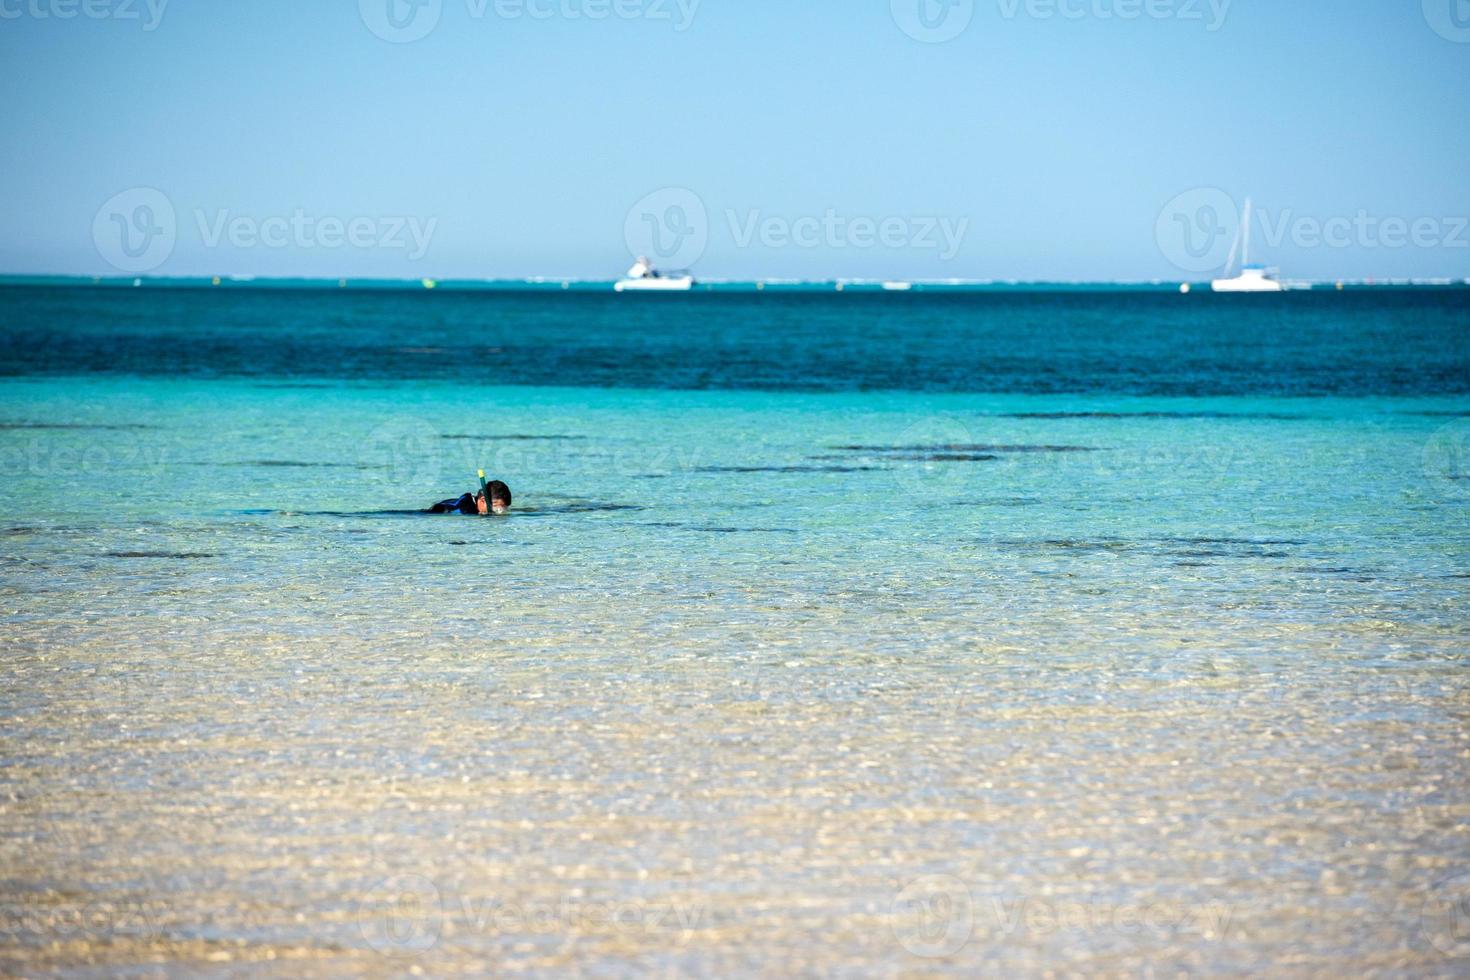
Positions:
{"x": 1018, "y": 631}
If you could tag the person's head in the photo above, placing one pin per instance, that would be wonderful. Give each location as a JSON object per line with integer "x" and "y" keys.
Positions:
{"x": 499, "y": 496}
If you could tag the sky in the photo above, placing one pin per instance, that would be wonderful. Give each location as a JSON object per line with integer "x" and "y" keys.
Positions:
{"x": 971, "y": 139}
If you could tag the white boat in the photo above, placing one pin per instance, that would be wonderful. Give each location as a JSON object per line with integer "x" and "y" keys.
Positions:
{"x": 643, "y": 277}
{"x": 1251, "y": 278}
{"x": 898, "y": 287}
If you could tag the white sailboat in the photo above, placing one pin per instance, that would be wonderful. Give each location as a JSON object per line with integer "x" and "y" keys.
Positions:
{"x": 1252, "y": 278}
{"x": 644, "y": 277}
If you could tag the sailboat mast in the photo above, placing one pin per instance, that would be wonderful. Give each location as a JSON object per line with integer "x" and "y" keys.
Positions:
{"x": 1245, "y": 257}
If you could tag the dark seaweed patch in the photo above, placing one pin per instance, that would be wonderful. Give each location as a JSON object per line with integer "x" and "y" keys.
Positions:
{"x": 298, "y": 464}
{"x": 1355, "y": 574}
{"x": 1197, "y": 552}
{"x": 513, "y": 438}
{"x": 947, "y": 457}
{"x": 1456, "y": 414}
{"x": 579, "y": 507}
{"x": 73, "y": 426}
{"x": 745, "y": 530}
{"x": 1274, "y": 416}
{"x": 345, "y": 513}
{"x": 1069, "y": 544}
{"x": 787, "y": 469}
{"x": 1073, "y": 544}
{"x": 287, "y": 386}
{"x": 968, "y": 448}
{"x": 161, "y": 554}
{"x": 1247, "y": 552}
{"x": 1234, "y": 541}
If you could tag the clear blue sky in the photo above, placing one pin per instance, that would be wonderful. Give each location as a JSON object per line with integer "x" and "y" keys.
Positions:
{"x": 526, "y": 140}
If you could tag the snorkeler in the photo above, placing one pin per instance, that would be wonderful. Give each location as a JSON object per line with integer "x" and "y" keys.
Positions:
{"x": 494, "y": 499}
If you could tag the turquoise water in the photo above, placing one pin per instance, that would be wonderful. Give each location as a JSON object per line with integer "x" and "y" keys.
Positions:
{"x": 1065, "y": 673}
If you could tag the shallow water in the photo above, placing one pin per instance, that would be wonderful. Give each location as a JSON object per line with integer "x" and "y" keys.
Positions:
{"x": 775, "y": 681}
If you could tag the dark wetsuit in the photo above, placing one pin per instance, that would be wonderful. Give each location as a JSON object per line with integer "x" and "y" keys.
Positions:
{"x": 464, "y": 505}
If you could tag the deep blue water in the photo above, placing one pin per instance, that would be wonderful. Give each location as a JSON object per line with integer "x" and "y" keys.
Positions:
{"x": 1354, "y": 343}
